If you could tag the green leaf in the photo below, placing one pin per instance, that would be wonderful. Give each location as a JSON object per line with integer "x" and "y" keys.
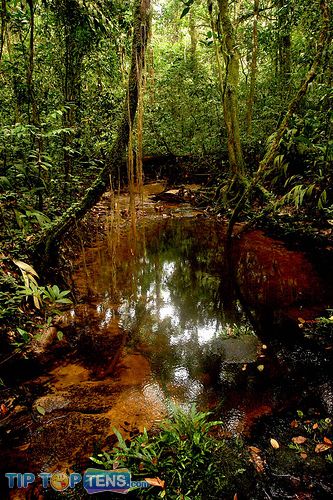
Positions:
{"x": 60, "y": 336}
{"x": 40, "y": 410}
{"x": 121, "y": 440}
{"x": 185, "y": 11}
{"x": 196, "y": 438}
{"x": 64, "y": 301}
{"x": 4, "y": 182}
{"x": 24, "y": 334}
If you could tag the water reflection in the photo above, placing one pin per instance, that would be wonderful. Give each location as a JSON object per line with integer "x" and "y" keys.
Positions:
{"x": 166, "y": 291}
{"x": 191, "y": 315}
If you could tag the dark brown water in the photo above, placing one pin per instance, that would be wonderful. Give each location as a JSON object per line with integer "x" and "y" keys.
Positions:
{"x": 166, "y": 315}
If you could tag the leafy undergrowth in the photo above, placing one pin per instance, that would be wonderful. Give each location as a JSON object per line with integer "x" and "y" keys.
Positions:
{"x": 293, "y": 455}
{"x": 320, "y": 330}
{"x": 184, "y": 460}
{"x": 27, "y": 308}
{"x": 299, "y": 228}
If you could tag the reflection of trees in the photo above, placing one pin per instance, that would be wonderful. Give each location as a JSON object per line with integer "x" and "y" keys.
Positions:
{"x": 179, "y": 301}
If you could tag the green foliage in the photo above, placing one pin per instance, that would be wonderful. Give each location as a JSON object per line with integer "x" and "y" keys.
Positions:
{"x": 321, "y": 330}
{"x": 10, "y": 298}
{"x": 26, "y": 336}
{"x": 43, "y": 297}
{"x": 185, "y": 454}
{"x": 14, "y": 296}
{"x": 53, "y": 295}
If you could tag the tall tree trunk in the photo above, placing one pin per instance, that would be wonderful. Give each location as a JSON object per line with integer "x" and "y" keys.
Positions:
{"x": 49, "y": 240}
{"x": 3, "y": 26}
{"x": 284, "y": 39}
{"x": 230, "y": 92}
{"x": 72, "y": 93}
{"x": 31, "y": 103}
{"x": 216, "y": 46}
{"x": 194, "y": 40}
{"x": 322, "y": 44}
{"x": 253, "y": 75}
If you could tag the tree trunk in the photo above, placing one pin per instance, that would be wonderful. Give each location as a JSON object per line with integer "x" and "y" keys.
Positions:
{"x": 32, "y": 104}
{"x": 3, "y": 26}
{"x": 253, "y": 75}
{"x": 284, "y": 39}
{"x": 194, "y": 40}
{"x": 216, "y": 46}
{"x": 48, "y": 241}
{"x": 324, "y": 38}
{"x": 30, "y": 71}
{"x": 230, "y": 92}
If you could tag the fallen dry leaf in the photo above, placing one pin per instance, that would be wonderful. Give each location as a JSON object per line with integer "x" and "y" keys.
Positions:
{"x": 257, "y": 461}
{"x": 299, "y": 439}
{"x": 294, "y": 424}
{"x": 303, "y": 455}
{"x": 274, "y": 443}
{"x": 3, "y": 409}
{"x": 23, "y": 447}
{"x": 254, "y": 449}
{"x": 155, "y": 481}
{"x": 315, "y": 426}
{"x": 327, "y": 441}
{"x": 260, "y": 367}
{"x": 321, "y": 447}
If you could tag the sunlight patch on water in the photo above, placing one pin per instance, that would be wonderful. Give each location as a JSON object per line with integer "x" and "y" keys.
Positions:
{"x": 181, "y": 375}
{"x": 208, "y": 332}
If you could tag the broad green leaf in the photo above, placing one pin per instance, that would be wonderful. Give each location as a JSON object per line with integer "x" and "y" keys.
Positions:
{"x": 64, "y": 301}
{"x": 24, "y": 334}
